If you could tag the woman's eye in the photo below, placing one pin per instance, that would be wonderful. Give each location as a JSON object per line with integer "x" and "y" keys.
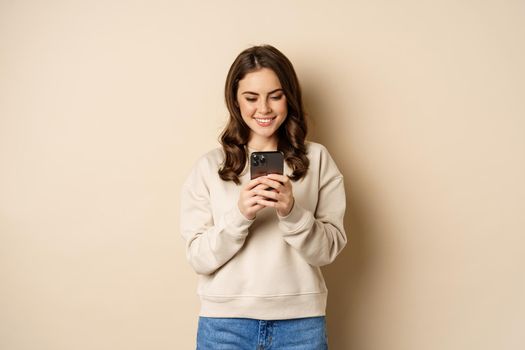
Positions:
{"x": 276, "y": 98}
{"x": 251, "y": 99}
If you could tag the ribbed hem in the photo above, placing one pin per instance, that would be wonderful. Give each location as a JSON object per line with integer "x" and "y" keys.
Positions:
{"x": 265, "y": 308}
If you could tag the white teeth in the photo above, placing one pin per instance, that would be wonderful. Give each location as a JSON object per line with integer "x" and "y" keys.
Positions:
{"x": 263, "y": 120}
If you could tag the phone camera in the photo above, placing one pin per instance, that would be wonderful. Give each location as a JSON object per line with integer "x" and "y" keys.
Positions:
{"x": 258, "y": 159}
{"x": 255, "y": 159}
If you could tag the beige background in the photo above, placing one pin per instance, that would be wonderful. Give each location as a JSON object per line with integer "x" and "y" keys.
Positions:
{"x": 105, "y": 106}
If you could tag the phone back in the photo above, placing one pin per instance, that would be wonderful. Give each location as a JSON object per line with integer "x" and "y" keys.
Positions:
{"x": 264, "y": 163}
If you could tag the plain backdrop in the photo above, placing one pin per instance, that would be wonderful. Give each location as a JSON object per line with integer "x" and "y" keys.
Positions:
{"x": 106, "y": 105}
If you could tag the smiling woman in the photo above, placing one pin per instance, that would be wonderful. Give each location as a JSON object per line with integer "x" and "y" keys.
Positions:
{"x": 263, "y": 107}
{"x": 258, "y": 244}
{"x": 256, "y": 74}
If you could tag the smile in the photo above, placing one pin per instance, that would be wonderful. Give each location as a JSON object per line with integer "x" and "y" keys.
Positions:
{"x": 264, "y": 121}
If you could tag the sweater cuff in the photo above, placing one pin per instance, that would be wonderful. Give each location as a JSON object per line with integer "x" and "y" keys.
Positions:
{"x": 296, "y": 219}
{"x": 237, "y": 221}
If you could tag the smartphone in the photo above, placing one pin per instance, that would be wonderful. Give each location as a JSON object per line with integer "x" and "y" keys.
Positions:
{"x": 264, "y": 163}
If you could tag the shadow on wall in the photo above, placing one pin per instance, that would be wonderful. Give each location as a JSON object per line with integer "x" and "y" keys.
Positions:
{"x": 348, "y": 277}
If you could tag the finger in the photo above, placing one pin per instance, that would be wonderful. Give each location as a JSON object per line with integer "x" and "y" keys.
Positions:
{"x": 267, "y": 194}
{"x": 256, "y": 208}
{"x": 256, "y": 191}
{"x": 272, "y": 183}
{"x": 278, "y": 177}
{"x": 260, "y": 187}
{"x": 252, "y": 201}
{"x": 252, "y": 183}
{"x": 267, "y": 203}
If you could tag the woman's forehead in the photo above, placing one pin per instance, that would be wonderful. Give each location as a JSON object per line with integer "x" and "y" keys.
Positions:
{"x": 263, "y": 78}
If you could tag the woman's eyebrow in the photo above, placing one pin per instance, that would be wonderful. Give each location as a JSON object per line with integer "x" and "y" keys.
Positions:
{"x": 254, "y": 93}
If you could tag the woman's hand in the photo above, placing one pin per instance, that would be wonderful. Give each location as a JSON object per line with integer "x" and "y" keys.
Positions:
{"x": 248, "y": 199}
{"x": 280, "y": 196}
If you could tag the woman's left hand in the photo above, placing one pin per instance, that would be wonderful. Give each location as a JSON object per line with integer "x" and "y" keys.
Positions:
{"x": 279, "y": 196}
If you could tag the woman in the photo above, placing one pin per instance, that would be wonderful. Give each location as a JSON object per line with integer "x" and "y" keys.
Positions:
{"x": 257, "y": 245}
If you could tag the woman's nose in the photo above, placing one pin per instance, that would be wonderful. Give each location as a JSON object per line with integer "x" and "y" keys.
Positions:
{"x": 264, "y": 107}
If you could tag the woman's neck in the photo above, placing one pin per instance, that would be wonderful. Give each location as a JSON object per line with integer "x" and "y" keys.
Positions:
{"x": 260, "y": 145}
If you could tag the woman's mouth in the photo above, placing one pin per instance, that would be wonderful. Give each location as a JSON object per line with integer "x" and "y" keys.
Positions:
{"x": 264, "y": 121}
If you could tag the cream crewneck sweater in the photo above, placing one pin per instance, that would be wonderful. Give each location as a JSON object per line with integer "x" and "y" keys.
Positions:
{"x": 267, "y": 268}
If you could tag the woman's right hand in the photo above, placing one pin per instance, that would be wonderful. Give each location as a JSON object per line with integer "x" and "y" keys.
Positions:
{"x": 248, "y": 199}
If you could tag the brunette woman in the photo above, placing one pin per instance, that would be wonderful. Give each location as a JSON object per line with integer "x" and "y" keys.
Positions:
{"x": 258, "y": 245}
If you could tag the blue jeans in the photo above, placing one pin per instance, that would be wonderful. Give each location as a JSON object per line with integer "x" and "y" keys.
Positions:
{"x": 249, "y": 334}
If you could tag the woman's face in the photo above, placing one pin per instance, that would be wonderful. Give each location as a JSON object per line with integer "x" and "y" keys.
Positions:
{"x": 262, "y": 103}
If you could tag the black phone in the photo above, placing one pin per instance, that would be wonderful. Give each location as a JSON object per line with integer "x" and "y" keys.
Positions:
{"x": 264, "y": 163}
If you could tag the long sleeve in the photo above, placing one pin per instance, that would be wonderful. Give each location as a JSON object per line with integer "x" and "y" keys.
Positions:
{"x": 320, "y": 236}
{"x": 209, "y": 244}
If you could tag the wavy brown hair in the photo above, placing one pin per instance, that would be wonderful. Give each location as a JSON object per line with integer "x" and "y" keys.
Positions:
{"x": 291, "y": 133}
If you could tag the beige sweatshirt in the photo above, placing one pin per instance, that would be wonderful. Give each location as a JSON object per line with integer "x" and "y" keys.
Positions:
{"x": 267, "y": 268}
